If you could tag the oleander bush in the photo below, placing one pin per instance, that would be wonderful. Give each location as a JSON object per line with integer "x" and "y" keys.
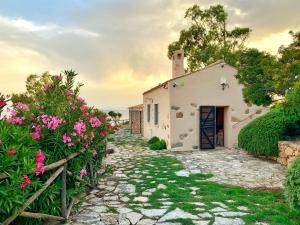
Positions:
{"x": 292, "y": 185}
{"x": 56, "y": 124}
{"x": 261, "y": 136}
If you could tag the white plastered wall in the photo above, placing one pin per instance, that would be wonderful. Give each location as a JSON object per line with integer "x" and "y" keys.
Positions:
{"x": 161, "y": 97}
{"x": 202, "y": 88}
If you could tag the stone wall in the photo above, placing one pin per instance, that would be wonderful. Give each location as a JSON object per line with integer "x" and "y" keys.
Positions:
{"x": 288, "y": 151}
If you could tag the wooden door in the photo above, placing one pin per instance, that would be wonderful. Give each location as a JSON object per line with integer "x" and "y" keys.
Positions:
{"x": 136, "y": 122}
{"x": 207, "y": 127}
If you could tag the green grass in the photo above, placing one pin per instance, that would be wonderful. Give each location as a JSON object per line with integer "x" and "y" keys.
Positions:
{"x": 263, "y": 206}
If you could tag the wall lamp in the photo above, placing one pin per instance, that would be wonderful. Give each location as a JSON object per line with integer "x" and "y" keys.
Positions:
{"x": 224, "y": 83}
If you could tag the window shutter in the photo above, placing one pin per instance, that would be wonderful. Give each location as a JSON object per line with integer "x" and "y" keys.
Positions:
{"x": 156, "y": 114}
{"x": 148, "y": 113}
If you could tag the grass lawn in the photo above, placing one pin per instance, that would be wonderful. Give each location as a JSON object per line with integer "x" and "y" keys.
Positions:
{"x": 196, "y": 195}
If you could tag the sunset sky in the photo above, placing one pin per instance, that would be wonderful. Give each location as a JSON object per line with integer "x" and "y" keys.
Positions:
{"x": 118, "y": 47}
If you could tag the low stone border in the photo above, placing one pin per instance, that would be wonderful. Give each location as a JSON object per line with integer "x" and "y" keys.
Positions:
{"x": 288, "y": 151}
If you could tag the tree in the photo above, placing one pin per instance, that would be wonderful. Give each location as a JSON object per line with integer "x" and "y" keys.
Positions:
{"x": 208, "y": 39}
{"x": 115, "y": 116}
{"x": 34, "y": 87}
{"x": 265, "y": 76}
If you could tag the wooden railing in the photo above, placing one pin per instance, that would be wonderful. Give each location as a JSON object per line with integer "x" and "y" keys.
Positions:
{"x": 61, "y": 168}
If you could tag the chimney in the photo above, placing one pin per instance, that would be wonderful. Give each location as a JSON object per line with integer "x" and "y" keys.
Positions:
{"x": 177, "y": 63}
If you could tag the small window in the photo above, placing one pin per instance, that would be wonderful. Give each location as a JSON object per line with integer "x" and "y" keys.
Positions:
{"x": 148, "y": 113}
{"x": 156, "y": 114}
{"x": 179, "y": 56}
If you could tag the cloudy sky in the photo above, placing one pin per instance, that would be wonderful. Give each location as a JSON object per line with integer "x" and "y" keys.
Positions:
{"x": 118, "y": 47}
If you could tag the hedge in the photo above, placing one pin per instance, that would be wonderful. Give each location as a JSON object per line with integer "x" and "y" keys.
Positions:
{"x": 261, "y": 136}
{"x": 292, "y": 185}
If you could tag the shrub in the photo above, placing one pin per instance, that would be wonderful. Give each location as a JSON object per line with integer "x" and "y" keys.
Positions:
{"x": 153, "y": 140}
{"x": 163, "y": 144}
{"x": 292, "y": 185}
{"x": 57, "y": 123}
{"x": 261, "y": 136}
{"x": 158, "y": 145}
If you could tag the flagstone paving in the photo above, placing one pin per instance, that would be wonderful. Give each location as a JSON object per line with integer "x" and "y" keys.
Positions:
{"x": 236, "y": 167}
{"x": 153, "y": 187}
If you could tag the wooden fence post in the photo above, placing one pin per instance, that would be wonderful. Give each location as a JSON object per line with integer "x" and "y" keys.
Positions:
{"x": 92, "y": 181}
{"x": 64, "y": 192}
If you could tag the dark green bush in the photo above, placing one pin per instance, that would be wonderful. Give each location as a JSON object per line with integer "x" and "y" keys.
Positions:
{"x": 158, "y": 145}
{"x": 292, "y": 185}
{"x": 163, "y": 144}
{"x": 153, "y": 140}
{"x": 261, "y": 136}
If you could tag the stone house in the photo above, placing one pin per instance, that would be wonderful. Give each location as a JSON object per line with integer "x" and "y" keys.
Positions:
{"x": 199, "y": 110}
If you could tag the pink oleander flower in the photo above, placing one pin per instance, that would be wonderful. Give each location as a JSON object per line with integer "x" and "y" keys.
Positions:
{"x": 22, "y": 106}
{"x": 58, "y": 77}
{"x": 13, "y": 118}
{"x": 69, "y": 93}
{"x": 83, "y": 108}
{"x": 83, "y": 172}
{"x": 70, "y": 144}
{"x": 95, "y": 122}
{"x": 44, "y": 118}
{"x": 66, "y": 138}
{"x": 40, "y": 157}
{"x": 94, "y": 152}
{"x": 47, "y": 86}
{"x": 22, "y": 185}
{"x": 26, "y": 179}
{"x": 11, "y": 151}
{"x": 54, "y": 122}
{"x": 79, "y": 127}
{"x": 37, "y": 128}
{"x": 36, "y": 135}
{"x": 80, "y": 99}
{"x": 102, "y": 133}
{"x": 2, "y": 104}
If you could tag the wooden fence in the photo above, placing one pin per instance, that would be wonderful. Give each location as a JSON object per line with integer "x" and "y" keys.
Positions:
{"x": 61, "y": 168}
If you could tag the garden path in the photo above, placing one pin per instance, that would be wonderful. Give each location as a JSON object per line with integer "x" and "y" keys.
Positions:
{"x": 236, "y": 167}
{"x": 154, "y": 187}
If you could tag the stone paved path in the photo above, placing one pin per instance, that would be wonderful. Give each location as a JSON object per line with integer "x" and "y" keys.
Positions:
{"x": 118, "y": 200}
{"x": 236, "y": 167}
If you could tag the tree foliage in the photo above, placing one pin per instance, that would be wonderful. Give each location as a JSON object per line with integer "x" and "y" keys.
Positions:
{"x": 34, "y": 87}
{"x": 115, "y": 116}
{"x": 208, "y": 39}
{"x": 265, "y": 76}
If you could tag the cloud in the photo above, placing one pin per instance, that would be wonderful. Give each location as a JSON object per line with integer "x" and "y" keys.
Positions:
{"x": 26, "y": 26}
{"x": 119, "y": 47}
